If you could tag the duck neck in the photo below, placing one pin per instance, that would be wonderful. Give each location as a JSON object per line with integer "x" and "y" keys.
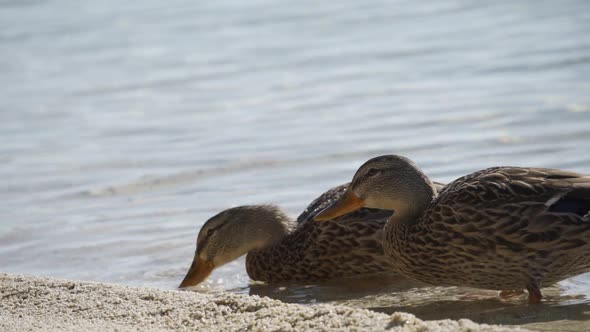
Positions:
{"x": 270, "y": 231}
{"x": 412, "y": 206}
{"x": 399, "y": 229}
{"x": 268, "y": 253}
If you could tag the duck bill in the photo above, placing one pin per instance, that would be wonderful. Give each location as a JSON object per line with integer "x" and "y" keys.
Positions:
{"x": 349, "y": 202}
{"x": 200, "y": 269}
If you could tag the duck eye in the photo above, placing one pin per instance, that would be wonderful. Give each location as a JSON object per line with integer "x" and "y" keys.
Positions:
{"x": 372, "y": 172}
{"x": 210, "y": 232}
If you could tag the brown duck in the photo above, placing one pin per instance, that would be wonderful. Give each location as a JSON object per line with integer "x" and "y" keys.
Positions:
{"x": 502, "y": 228}
{"x": 280, "y": 249}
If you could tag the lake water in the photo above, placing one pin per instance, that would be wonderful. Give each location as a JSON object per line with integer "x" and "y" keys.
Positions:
{"x": 124, "y": 126}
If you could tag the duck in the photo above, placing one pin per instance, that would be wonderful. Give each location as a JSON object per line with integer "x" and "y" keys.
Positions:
{"x": 279, "y": 249}
{"x": 501, "y": 228}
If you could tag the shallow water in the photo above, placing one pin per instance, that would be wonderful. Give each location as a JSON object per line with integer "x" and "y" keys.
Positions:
{"x": 125, "y": 126}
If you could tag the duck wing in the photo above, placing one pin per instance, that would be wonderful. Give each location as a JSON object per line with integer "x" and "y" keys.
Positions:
{"x": 536, "y": 208}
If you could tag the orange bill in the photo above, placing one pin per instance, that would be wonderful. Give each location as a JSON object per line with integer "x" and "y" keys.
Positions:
{"x": 200, "y": 269}
{"x": 347, "y": 203}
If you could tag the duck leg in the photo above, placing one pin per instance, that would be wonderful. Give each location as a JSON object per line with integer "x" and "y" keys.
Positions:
{"x": 535, "y": 295}
{"x": 510, "y": 293}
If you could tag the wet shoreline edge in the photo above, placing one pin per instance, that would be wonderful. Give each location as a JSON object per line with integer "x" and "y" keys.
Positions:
{"x": 46, "y": 304}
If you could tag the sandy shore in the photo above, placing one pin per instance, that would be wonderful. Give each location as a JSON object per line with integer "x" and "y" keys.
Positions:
{"x": 37, "y": 303}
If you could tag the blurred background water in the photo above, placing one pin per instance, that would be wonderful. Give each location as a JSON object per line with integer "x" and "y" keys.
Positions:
{"x": 126, "y": 125}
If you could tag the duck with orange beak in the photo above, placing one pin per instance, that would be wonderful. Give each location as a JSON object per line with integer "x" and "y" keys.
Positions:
{"x": 502, "y": 228}
{"x": 280, "y": 249}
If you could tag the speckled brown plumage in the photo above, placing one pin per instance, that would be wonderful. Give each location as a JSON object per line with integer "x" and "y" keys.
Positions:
{"x": 347, "y": 246}
{"x": 499, "y": 228}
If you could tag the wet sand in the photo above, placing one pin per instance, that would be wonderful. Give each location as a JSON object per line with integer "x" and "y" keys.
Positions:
{"x": 43, "y": 304}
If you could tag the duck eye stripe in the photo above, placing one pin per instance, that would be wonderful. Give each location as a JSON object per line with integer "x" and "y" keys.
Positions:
{"x": 209, "y": 233}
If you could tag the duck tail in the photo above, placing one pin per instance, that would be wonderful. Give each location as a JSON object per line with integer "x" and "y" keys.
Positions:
{"x": 577, "y": 199}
